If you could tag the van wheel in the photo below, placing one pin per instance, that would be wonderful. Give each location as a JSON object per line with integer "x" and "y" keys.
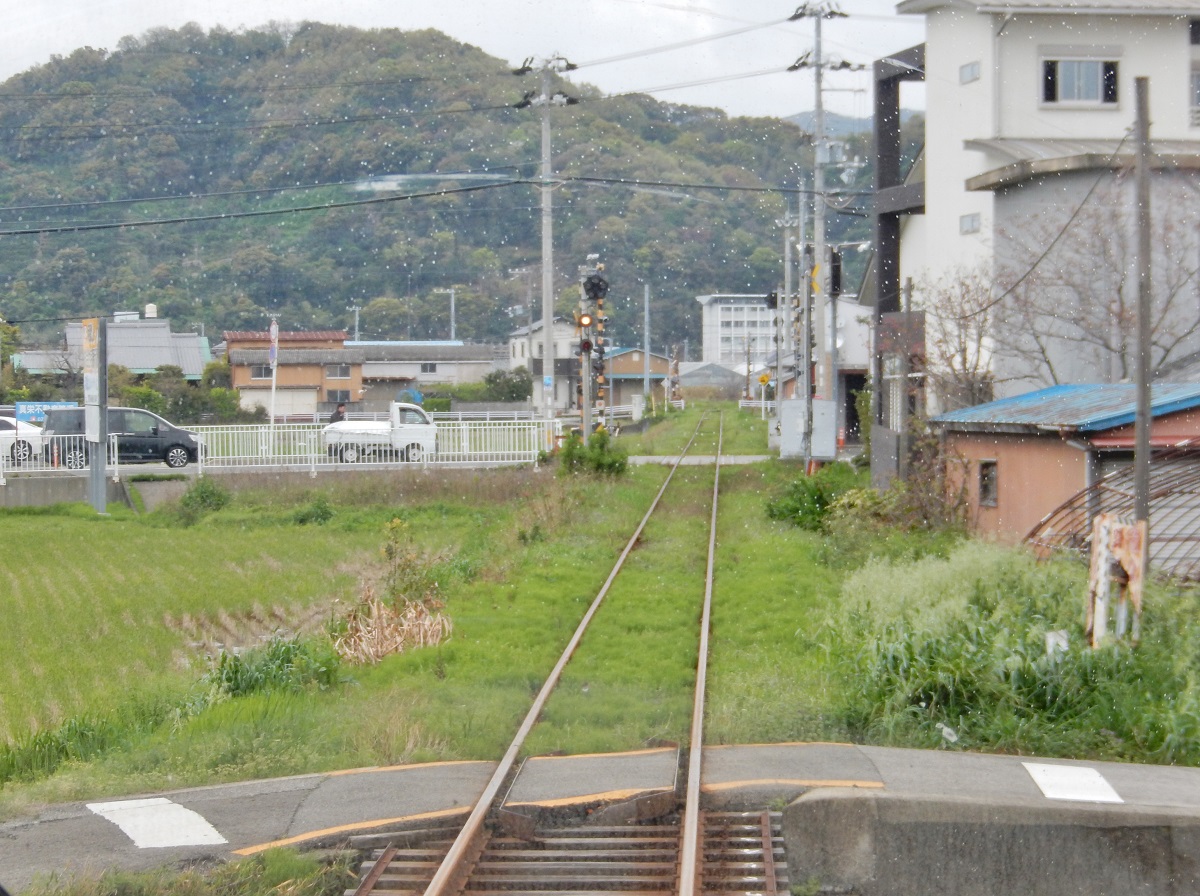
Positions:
{"x": 176, "y": 456}
{"x": 22, "y": 452}
{"x": 75, "y": 459}
{"x": 350, "y": 454}
{"x": 414, "y": 454}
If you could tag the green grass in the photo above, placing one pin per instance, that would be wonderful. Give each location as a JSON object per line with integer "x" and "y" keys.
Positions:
{"x": 744, "y": 432}
{"x": 109, "y": 696}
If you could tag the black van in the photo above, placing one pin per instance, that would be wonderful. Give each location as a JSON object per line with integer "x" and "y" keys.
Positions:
{"x": 141, "y": 438}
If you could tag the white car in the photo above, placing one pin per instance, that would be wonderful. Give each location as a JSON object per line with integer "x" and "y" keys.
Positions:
{"x": 20, "y": 442}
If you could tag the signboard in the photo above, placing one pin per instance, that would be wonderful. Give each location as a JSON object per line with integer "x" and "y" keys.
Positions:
{"x": 274, "y": 343}
{"x": 35, "y": 411}
{"x": 91, "y": 378}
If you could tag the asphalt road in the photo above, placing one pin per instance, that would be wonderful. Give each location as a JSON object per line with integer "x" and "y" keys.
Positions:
{"x": 224, "y": 822}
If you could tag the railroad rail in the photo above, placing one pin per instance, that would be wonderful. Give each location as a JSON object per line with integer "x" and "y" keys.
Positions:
{"x": 670, "y": 845}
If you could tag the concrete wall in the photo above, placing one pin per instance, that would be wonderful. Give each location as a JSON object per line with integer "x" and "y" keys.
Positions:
{"x": 63, "y": 488}
{"x": 872, "y": 843}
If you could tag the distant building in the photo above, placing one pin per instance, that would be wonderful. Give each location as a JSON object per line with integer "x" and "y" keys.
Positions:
{"x": 736, "y": 329}
{"x": 526, "y": 348}
{"x": 317, "y": 370}
{"x": 142, "y": 345}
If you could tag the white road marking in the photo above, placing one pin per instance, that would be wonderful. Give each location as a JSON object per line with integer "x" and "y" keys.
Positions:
{"x": 158, "y": 822}
{"x": 1072, "y": 782}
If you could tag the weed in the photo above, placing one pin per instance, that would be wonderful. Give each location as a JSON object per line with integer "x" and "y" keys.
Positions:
{"x": 204, "y": 495}
{"x": 807, "y": 499}
{"x": 318, "y": 511}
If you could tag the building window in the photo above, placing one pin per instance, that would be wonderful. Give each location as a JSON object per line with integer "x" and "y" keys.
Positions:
{"x": 968, "y": 73}
{"x": 989, "y": 484}
{"x": 337, "y": 371}
{"x": 341, "y": 396}
{"x": 1083, "y": 82}
{"x": 969, "y": 223}
{"x": 260, "y": 371}
{"x": 428, "y": 367}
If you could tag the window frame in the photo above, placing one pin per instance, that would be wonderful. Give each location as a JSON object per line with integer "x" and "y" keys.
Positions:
{"x": 260, "y": 371}
{"x": 989, "y": 482}
{"x": 1108, "y": 82}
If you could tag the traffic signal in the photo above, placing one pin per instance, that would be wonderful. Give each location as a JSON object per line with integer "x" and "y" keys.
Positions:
{"x": 772, "y": 300}
{"x": 595, "y": 287}
{"x": 583, "y": 320}
{"x": 835, "y": 271}
{"x": 585, "y": 346}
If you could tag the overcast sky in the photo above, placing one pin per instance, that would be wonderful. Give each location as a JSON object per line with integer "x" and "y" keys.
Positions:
{"x": 584, "y": 31}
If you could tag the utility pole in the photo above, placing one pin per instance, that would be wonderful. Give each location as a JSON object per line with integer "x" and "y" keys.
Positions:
{"x": 545, "y": 100}
{"x": 1141, "y": 473}
{"x": 818, "y": 13}
{"x": 783, "y": 328}
{"x": 450, "y": 290}
{"x": 354, "y": 308}
{"x": 646, "y": 340}
{"x": 527, "y": 273}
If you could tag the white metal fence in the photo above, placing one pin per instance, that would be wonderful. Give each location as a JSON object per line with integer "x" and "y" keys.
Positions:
{"x": 299, "y": 446}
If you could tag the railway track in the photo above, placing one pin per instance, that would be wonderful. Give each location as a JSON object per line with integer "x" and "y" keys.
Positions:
{"x": 669, "y": 845}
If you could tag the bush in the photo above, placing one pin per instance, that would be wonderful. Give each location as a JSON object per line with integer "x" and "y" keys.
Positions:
{"x": 960, "y": 644}
{"x": 205, "y": 496}
{"x": 806, "y": 500}
{"x": 600, "y": 455}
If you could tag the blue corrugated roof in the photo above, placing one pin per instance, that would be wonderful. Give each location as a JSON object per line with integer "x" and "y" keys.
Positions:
{"x": 1084, "y": 407}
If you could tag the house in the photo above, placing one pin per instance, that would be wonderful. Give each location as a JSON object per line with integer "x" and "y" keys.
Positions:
{"x": 1019, "y": 215}
{"x": 317, "y": 370}
{"x": 391, "y": 367}
{"x": 1018, "y": 459}
{"x": 629, "y": 374}
{"x": 140, "y": 344}
{"x": 526, "y": 348}
{"x": 312, "y": 369}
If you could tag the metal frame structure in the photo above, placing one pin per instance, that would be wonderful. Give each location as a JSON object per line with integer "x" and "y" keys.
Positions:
{"x": 1174, "y": 495}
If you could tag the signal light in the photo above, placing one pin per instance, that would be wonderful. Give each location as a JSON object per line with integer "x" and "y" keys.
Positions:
{"x": 835, "y": 271}
{"x": 772, "y": 300}
{"x": 585, "y": 320}
{"x": 585, "y": 346}
{"x": 595, "y": 287}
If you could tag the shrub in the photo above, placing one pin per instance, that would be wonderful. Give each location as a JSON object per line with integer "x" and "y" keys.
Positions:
{"x": 600, "y": 455}
{"x": 205, "y": 496}
{"x": 806, "y": 500}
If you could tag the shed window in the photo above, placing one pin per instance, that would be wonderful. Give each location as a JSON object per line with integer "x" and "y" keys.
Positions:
{"x": 989, "y": 483}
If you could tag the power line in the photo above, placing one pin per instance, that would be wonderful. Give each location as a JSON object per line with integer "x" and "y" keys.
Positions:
{"x": 638, "y": 54}
{"x": 233, "y": 216}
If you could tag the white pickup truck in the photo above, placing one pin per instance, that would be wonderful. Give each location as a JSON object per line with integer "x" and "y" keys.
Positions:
{"x": 408, "y": 434}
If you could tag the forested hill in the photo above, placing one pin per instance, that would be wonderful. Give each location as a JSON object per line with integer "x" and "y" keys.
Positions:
{"x": 247, "y": 147}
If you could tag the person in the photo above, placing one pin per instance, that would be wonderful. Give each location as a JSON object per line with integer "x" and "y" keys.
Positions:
{"x": 339, "y": 415}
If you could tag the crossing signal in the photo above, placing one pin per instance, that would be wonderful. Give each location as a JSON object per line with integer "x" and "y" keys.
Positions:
{"x": 595, "y": 287}
{"x": 772, "y": 300}
{"x": 835, "y": 271}
{"x": 585, "y": 346}
{"x": 584, "y": 320}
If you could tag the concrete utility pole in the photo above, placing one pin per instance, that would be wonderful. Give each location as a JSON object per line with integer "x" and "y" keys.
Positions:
{"x": 646, "y": 340}
{"x": 443, "y": 291}
{"x": 354, "y": 308}
{"x": 1141, "y": 473}
{"x": 545, "y": 100}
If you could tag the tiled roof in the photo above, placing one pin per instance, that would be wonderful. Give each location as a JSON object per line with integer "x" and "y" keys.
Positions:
{"x": 1065, "y": 7}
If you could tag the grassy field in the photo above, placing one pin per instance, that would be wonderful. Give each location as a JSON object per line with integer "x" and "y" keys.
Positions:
{"x": 852, "y": 632}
